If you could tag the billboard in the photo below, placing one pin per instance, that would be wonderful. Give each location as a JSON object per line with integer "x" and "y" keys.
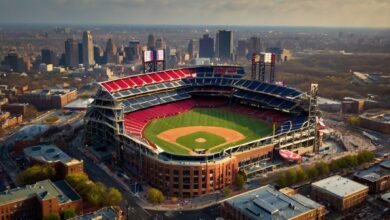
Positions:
{"x": 268, "y": 57}
{"x": 255, "y": 58}
{"x": 160, "y": 55}
{"x": 148, "y": 56}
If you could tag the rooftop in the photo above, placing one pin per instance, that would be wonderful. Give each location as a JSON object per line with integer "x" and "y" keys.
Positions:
{"x": 105, "y": 213}
{"x": 267, "y": 203}
{"x": 44, "y": 92}
{"x": 339, "y": 186}
{"x": 374, "y": 173}
{"x": 47, "y": 153}
{"x": 45, "y": 189}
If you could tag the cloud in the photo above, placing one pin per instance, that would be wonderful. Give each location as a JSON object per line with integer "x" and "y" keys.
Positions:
{"x": 234, "y": 12}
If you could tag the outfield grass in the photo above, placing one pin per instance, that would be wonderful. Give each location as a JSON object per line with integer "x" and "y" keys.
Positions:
{"x": 251, "y": 128}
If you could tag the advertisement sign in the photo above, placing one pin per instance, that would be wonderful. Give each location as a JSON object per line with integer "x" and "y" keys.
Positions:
{"x": 148, "y": 56}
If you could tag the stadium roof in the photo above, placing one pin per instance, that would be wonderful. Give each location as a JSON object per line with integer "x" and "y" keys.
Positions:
{"x": 43, "y": 190}
{"x": 267, "y": 203}
{"x": 339, "y": 186}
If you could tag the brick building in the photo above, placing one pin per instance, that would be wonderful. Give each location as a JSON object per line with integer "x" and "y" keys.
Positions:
{"x": 15, "y": 108}
{"x": 49, "y": 98}
{"x": 268, "y": 203}
{"x": 50, "y": 154}
{"x": 340, "y": 193}
{"x": 377, "y": 178}
{"x": 105, "y": 213}
{"x": 38, "y": 200}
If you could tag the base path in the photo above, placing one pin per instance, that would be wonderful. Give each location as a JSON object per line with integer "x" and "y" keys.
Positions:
{"x": 172, "y": 135}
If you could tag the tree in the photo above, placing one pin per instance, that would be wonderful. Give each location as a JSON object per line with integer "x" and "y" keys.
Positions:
{"x": 290, "y": 177}
{"x": 96, "y": 195}
{"x": 300, "y": 174}
{"x": 226, "y": 191}
{"x": 36, "y": 173}
{"x": 113, "y": 197}
{"x": 52, "y": 216}
{"x": 154, "y": 195}
{"x": 281, "y": 181}
{"x": 312, "y": 172}
{"x": 239, "y": 181}
{"x": 322, "y": 168}
{"x": 68, "y": 213}
{"x": 351, "y": 160}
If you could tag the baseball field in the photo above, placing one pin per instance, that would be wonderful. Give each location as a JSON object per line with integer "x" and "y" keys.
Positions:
{"x": 205, "y": 130}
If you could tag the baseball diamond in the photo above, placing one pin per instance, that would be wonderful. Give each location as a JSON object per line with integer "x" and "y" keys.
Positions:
{"x": 219, "y": 128}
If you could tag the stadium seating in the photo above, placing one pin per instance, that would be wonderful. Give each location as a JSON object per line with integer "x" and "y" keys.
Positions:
{"x": 136, "y": 121}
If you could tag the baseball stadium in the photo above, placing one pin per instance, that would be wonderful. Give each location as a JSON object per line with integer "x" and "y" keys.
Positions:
{"x": 189, "y": 131}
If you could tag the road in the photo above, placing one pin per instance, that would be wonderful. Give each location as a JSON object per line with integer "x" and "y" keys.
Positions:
{"x": 97, "y": 174}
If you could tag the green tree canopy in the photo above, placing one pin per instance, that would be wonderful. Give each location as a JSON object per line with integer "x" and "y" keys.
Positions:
{"x": 113, "y": 197}
{"x": 239, "y": 181}
{"x": 68, "y": 213}
{"x": 154, "y": 195}
{"x": 36, "y": 173}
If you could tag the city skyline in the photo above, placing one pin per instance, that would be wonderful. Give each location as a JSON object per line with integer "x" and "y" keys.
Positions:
{"x": 334, "y": 13}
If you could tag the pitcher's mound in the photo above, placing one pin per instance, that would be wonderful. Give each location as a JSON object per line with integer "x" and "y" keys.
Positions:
{"x": 200, "y": 140}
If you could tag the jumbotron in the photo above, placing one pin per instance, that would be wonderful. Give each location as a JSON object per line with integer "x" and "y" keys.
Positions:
{"x": 189, "y": 131}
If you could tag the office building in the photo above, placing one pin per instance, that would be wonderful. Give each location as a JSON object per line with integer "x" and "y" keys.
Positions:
{"x": 39, "y": 200}
{"x": 269, "y": 203}
{"x": 377, "y": 178}
{"x": 340, "y": 193}
{"x": 255, "y": 45}
{"x": 105, "y": 213}
{"x": 49, "y": 98}
{"x": 52, "y": 155}
{"x": 80, "y": 51}
{"x": 88, "y": 59}
{"x": 242, "y": 48}
{"x": 151, "y": 42}
{"x": 111, "y": 53}
{"x": 206, "y": 47}
{"x": 48, "y": 57}
{"x": 98, "y": 54}
{"x": 192, "y": 50}
{"x": 133, "y": 51}
{"x": 71, "y": 53}
{"x": 225, "y": 44}
{"x": 161, "y": 44}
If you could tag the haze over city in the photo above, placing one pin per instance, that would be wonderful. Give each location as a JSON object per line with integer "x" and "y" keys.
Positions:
{"x": 318, "y": 13}
{"x": 195, "y": 109}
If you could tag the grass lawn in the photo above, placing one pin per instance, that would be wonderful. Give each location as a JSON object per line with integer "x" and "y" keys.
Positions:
{"x": 251, "y": 128}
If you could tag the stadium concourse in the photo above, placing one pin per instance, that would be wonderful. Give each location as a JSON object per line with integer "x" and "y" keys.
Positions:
{"x": 136, "y": 117}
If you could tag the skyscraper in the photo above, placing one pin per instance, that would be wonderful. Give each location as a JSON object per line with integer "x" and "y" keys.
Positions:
{"x": 71, "y": 53}
{"x": 111, "y": 52}
{"x": 98, "y": 54}
{"x": 151, "y": 42}
{"x": 242, "y": 48}
{"x": 88, "y": 49}
{"x": 192, "y": 50}
{"x": 225, "y": 44}
{"x": 80, "y": 48}
{"x": 48, "y": 57}
{"x": 160, "y": 44}
{"x": 206, "y": 46}
{"x": 255, "y": 45}
{"x": 133, "y": 51}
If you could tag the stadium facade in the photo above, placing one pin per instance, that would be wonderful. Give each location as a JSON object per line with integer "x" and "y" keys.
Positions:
{"x": 123, "y": 108}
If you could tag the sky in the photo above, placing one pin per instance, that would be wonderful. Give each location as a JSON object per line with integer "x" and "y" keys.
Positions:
{"x": 321, "y": 13}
